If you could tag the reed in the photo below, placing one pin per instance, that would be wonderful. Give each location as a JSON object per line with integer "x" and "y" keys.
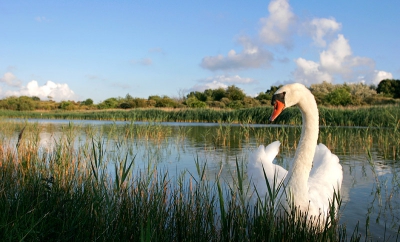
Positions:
{"x": 384, "y": 116}
{"x": 84, "y": 192}
{"x": 95, "y": 190}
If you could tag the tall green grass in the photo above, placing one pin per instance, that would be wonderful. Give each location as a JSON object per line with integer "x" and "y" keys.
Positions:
{"x": 78, "y": 193}
{"x": 384, "y": 116}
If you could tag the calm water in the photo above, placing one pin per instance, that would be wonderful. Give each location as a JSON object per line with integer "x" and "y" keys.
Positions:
{"x": 370, "y": 189}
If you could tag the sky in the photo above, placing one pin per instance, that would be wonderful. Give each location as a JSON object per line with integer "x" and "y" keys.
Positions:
{"x": 75, "y": 50}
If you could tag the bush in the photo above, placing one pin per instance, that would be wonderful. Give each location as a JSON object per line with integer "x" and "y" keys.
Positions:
{"x": 340, "y": 96}
{"x": 166, "y": 102}
{"x": 125, "y": 105}
{"x": 67, "y": 105}
{"x": 235, "y": 104}
{"x": 108, "y": 103}
{"x": 193, "y": 102}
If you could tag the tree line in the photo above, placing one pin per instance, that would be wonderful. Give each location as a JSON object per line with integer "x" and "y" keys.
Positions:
{"x": 232, "y": 97}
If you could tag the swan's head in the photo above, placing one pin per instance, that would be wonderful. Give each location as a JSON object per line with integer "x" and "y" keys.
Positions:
{"x": 287, "y": 96}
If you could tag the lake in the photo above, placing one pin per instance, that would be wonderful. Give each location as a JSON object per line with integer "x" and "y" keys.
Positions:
{"x": 369, "y": 157}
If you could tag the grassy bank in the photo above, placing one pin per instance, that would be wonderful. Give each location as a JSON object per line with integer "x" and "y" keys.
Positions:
{"x": 384, "y": 116}
{"x": 70, "y": 193}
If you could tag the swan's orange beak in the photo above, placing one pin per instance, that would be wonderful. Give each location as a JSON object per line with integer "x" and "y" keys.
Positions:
{"x": 278, "y": 107}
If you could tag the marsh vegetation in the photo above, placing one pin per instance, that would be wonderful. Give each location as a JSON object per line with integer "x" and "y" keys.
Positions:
{"x": 153, "y": 181}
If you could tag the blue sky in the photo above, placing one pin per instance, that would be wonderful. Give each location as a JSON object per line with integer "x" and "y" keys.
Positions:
{"x": 74, "y": 50}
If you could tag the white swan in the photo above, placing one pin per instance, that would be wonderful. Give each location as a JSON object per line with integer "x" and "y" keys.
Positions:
{"x": 316, "y": 172}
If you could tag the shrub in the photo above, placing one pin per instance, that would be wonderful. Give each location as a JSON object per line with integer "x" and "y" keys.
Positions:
{"x": 340, "y": 96}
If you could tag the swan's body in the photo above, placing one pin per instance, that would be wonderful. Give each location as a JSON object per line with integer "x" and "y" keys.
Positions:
{"x": 316, "y": 173}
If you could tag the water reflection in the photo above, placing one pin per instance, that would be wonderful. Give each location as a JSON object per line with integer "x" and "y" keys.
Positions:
{"x": 370, "y": 189}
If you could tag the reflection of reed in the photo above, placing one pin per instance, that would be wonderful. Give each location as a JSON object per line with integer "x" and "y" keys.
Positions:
{"x": 20, "y": 136}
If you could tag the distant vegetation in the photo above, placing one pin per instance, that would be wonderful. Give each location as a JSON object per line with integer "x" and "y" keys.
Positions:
{"x": 232, "y": 97}
{"x": 372, "y": 116}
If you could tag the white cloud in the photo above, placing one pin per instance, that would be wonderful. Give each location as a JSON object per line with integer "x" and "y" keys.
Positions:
{"x": 309, "y": 72}
{"x": 57, "y": 91}
{"x": 252, "y": 56}
{"x": 204, "y": 86}
{"x": 220, "y": 81}
{"x": 10, "y": 80}
{"x": 276, "y": 28}
{"x": 337, "y": 62}
{"x": 378, "y": 76}
{"x": 319, "y": 28}
{"x": 333, "y": 58}
{"x": 338, "y": 59}
{"x": 236, "y": 79}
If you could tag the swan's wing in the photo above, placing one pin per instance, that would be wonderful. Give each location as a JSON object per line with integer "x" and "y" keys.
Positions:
{"x": 262, "y": 158}
{"x": 271, "y": 151}
{"x": 325, "y": 177}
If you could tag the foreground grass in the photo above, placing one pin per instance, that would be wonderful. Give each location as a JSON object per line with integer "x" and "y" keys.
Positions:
{"x": 386, "y": 116}
{"x": 70, "y": 193}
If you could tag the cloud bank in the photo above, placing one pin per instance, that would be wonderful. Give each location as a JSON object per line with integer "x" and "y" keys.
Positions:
{"x": 336, "y": 62}
{"x": 57, "y": 91}
{"x": 252, "y": 56}
{"x": 218, "y": 81}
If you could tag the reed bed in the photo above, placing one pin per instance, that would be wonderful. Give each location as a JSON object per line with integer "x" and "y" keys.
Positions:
{"x": 382, "y": 116}
{"x": 83, "y": 192}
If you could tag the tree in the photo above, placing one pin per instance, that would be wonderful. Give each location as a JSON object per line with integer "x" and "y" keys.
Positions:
{"x": 88, "y": 102}
{"x": 268, "y": 94}
{"x": 218, "y": 94}
{"x": 125, "y": 105}
{"x": 128, "y": 97}
{"x": 389, "y": 87}
{"x": 201, "y": 96}
{"x": 234, "y": 93}
{"x": 208, "y": 93}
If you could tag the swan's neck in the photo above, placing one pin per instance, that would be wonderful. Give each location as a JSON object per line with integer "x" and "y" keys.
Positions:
{"x": 298, "y": 177}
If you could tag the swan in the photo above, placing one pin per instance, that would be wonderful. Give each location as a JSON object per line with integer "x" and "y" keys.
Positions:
{"x": 316, "y": 173}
